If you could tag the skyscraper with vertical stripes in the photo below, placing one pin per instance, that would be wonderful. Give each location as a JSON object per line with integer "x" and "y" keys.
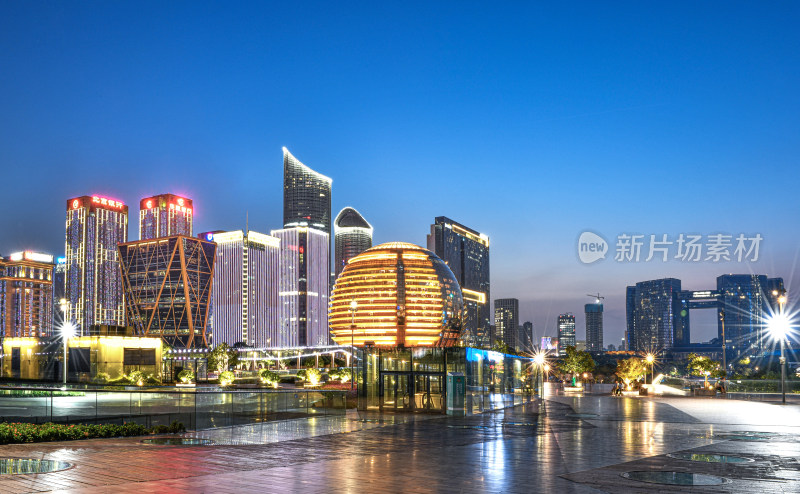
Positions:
{"x": 304, "y": 287}
{"x": 93, "y": 287}
{"x": 165, "y": 215}
{"x": 245, "y": 294}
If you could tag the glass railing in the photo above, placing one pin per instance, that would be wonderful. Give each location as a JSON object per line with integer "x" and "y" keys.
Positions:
{"x": 196, "y": 409}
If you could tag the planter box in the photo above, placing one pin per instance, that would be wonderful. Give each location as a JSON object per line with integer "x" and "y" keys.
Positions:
{"x": 704, "y": 392}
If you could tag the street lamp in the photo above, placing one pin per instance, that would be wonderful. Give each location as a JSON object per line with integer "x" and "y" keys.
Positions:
{"x": 779, "y": 327}
{"x": 540, "y": 361}
{"x": 67, "y": 332}
{"x": 650, "y": 359}
{"x": 353, "y": 310}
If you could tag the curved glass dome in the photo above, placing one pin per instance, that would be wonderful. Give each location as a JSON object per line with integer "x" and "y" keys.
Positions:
{"x": 404, "y": 296}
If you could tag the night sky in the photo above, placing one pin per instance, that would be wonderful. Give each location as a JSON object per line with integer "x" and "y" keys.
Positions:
{"x": 527, "y": 121}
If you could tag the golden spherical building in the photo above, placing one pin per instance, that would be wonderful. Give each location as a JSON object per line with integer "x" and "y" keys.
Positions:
{"x": 396, "y": 294}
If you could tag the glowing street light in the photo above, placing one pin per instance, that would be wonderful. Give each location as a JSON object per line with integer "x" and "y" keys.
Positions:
{"x": 650, "y": 359}
{"x": 67, "y": 332}
{"x": 779, "y": 327}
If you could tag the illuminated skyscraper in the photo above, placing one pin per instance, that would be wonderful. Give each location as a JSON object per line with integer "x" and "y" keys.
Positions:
{"x": 466, "y": 253}
{"x": 59, "y": 296}
{"x": 168, "y": 283}
{"x": 506, "y": 320}
{"x": 654, "y": 313}
{"x": 594, "y": 326}
{"x": 26, "y": 295}
{"x": 93, "y": 289}
{"x": 303, "y": 289}
{"x": 245, "y": 293}
{"x": 165, "y": 215}
{"x": 306, "y": 196}
{"x": 353, "y": 236}
{"x": 566, "y": 332}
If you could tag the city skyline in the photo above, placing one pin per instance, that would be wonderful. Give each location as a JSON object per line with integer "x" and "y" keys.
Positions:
{"x": 617, "y": 138}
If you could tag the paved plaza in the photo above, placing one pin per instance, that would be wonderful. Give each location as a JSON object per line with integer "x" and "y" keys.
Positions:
{"x": 562, "y": 445}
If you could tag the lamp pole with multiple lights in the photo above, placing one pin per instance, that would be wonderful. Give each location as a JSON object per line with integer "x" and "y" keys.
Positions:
{"x": 353, "y": 310}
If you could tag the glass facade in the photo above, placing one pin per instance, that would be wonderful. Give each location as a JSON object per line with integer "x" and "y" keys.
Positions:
{"x": 353, "y": 236}
{"x": 165, "y": 215}
{"x": 306, "y": 196}
{"x": 566, "y": 332}
{"x": 404, "y": 294}
{"x": 168, "y": 284}
{"x": 414, "y": 380}
{"x": 93, "y": 284}
{"x": 656, "y": 311}
{"x": 506, "y": 321}
{"x": 466, "y": 253}
{"x": 745, "y": 300}
{"x": 594, "y": 327}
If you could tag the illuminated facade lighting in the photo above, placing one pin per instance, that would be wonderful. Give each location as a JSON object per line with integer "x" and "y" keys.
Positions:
{"x": 466, "y": 252}
{"x": 405, "y": 296}
{"x": 165, "y": 215}
{"x": 353, "y": 236}
{"x": 93, "y": 286}
{"x": 26, "y": 295}
{"x": 168, "y": 283}
{"x": 245, "y": 294}
{"x": 506, "y": 321}
{"x": 566, "y": 332}
{"x": 304, "y": 284}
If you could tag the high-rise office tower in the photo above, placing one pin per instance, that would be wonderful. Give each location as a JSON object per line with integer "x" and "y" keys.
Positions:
{"x": 526, "y": 342}
{"x": 165, "y": 215}
{"x": 26, "y": 295}
{"x": 506, "y": 320}
{"x": 594, "y": 326}
{"x": 466, "y": 253}
{"x": 306, "y": 196}
{"x": 353, "y": 236}
{"x": 745, "y": 300}
{"x": 168, "y": 283}
{"x": 245, "y": 293}
{"x": 654, "y": 307}
{"x": 59, "y": 295}
{"x": 95, "y": 225}
{"x": 303, "y": 287}
{"x": 566, "y": 332}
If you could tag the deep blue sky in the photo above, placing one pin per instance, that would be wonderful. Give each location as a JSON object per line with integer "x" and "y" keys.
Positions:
{"x": 530, "y": 122}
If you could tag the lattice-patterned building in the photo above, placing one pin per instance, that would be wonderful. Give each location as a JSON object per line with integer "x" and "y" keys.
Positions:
{"x": 168, "y": 288}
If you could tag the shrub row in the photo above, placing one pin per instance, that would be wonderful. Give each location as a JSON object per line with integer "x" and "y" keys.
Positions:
{"x": 11, "y": 433}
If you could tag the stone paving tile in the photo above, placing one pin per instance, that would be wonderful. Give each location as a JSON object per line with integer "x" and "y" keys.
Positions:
{"x": 532, "y": 448}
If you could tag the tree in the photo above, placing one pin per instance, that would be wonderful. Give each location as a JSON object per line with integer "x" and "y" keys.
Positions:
{"x": 222, "y": 358}
{"x": 577, "y": 362}
{"x": 630, "y": 369}
{"x": 704, "y": 366}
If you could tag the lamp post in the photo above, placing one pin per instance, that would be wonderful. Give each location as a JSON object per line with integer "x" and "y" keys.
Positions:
{"x": 539, "y": 360}
{"x": 779, "y": 327}
{"x": 650, "y": 359}
{"x": 67, "y": 332}
{"x": 353, "y": 310}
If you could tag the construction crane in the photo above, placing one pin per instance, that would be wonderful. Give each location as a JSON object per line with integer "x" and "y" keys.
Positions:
{"x": 597, "y": 297}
